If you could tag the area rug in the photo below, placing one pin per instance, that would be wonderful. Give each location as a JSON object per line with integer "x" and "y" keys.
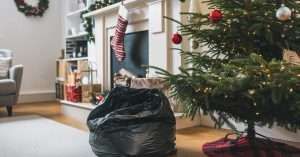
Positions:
{"x": 35, "y": 136}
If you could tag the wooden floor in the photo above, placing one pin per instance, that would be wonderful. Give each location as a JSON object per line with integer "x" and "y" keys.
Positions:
{"x": 189, "y": 141}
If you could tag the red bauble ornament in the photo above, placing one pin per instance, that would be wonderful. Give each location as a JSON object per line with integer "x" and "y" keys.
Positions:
{"x": 177, "y": 38}
{"x": 215, "y": 15}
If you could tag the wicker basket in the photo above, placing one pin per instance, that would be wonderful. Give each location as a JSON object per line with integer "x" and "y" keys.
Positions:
{"x": 88, "y": 90}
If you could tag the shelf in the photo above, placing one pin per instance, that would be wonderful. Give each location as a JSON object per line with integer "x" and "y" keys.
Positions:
{"x": 116, "y": 7}
{"x": 88, "y": 106}
{"x": 81, "y": 34}
{"x": 60, "y": 79}
{"x": 75, "y": 59}
{"x": 77, "y": 12}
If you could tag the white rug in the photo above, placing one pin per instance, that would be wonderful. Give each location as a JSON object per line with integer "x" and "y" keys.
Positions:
{"x": 35, "y": 136}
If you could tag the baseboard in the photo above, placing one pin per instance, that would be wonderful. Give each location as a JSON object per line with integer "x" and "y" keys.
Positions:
{"x": 37, "y": 96}
{"x": 183, "y": 123}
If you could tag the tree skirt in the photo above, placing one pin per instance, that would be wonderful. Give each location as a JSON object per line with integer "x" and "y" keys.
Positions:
{"x": 242, "y": 147}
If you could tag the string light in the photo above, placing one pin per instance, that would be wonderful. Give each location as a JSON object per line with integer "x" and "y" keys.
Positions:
{"x": 251, "y": 91}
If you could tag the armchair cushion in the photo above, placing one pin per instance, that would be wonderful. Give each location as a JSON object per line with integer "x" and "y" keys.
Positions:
{"x": 7, "y": 87}
{"x": 5, "y": 64}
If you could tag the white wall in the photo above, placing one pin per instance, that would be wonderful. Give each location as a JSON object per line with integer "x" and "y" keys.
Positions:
{"x": 36, "y": 43}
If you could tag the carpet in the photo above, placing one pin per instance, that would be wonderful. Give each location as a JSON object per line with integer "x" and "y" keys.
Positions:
{"x": 35, "y": 136}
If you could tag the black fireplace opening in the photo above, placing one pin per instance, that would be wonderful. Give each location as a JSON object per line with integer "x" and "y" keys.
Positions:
{"x": 137, "y": 54}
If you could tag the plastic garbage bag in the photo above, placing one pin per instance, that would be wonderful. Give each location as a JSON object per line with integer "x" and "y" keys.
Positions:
{"x": 133, "y": 123}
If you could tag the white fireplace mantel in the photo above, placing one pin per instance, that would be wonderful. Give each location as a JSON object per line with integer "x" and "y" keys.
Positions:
{"x": 114, "y": 7}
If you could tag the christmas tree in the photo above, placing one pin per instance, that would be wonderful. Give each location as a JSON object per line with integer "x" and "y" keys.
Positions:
{"x": 240, "y": 74}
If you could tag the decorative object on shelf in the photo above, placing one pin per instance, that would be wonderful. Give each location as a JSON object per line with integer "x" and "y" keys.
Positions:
{"x": 283, "y": 13}
{"x": 62, "y": 54}
{"x": 30, "y": 10}
{"x": 215, "y": 15}
{"x": 72, "y": 31}
{"x": 88, "y": 91}
{"x": 59, "y": 90}
{"x": 117, "y": 42}
{"x": 81, "y": 4}
{"x": 76, "y": 48}
{"x": 89, "y": 87}
{"x": 73, "y": 93}
{"x": 177, "y": 38}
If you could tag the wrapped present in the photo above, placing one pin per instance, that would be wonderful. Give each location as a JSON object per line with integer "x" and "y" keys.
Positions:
{"x": 73, "y": 93}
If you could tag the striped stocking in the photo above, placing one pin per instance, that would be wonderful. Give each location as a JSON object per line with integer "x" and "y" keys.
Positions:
{"x": 117, "y": 42}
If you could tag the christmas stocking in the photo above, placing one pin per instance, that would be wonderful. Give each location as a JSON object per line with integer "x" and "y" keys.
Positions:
{"x": 117, "y": 42}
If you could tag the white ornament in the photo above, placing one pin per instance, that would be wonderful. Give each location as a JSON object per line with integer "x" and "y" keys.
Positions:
{"x": 284, "y": 13}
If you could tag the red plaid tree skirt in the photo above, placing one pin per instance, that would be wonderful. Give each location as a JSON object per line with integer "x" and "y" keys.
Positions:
{"x": 242, "y": 148}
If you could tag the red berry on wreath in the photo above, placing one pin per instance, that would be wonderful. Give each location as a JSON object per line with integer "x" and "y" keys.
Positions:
{"x": 177, "y": 38}
{"x": 215, "y": 15}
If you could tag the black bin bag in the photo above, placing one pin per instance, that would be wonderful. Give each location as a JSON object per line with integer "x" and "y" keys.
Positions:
{"x": 133, "y": 123}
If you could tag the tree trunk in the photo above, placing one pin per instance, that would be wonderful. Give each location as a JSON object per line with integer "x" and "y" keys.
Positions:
{"x": 251, "y": 131}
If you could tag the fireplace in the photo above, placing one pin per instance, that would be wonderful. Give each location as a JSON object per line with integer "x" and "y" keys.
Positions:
{"x": 137, "y": 54}
{"x": 146, "y": 40}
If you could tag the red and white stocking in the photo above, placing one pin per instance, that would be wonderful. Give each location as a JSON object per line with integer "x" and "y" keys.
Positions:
{"x": 117, "y": 42}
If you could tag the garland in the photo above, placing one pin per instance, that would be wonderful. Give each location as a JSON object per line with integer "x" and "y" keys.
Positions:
{"x": 30, "y": 10}
{"x": 88, "y": 22}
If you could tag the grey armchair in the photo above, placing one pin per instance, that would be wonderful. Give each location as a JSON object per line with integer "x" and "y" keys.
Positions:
{"x": 10, "y": 87}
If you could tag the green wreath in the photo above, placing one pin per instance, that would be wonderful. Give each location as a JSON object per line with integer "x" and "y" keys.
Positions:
{"x": 30, "y": 10}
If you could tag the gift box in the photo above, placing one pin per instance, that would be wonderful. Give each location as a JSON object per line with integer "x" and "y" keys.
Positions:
{"x": 73, "y": 93}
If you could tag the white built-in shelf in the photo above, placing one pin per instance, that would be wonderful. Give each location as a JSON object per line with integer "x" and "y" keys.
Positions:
{"x": 114, "y": 7}
{"x": 77, "y": 12}
{"x": 88, "y": 106}
{"x": 75, "y": 59}
{"x": 78, "y": 35}
{"x": 60, "y": 79}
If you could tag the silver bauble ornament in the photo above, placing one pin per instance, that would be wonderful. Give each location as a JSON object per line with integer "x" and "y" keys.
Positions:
{"x": 284, "y": 13}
